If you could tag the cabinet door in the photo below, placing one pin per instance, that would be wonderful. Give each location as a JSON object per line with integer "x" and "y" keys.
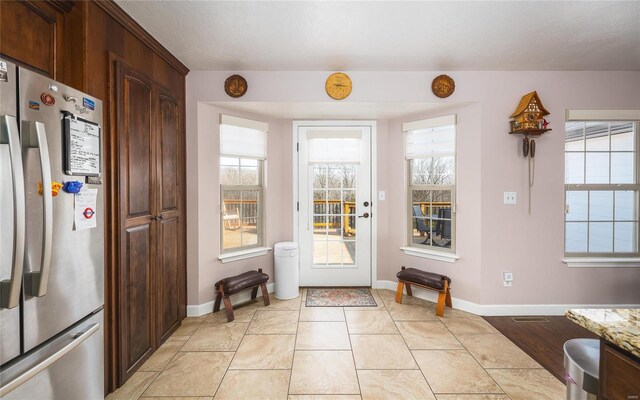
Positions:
{"x": 170, "y": 246}
{"x": 28, "y": 33}
{"x": 137, "y": 207}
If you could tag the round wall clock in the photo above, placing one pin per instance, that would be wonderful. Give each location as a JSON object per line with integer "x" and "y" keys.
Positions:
{"x": 235, "y": 86}
{"x": 338, "y": 86}
{"x": 443, "y": 86}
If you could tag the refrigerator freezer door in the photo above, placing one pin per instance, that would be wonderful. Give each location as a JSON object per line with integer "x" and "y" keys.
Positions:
{"x": 76, "y": 270}
{"x": 11, "y": 216}
{"x": 70, "y": 367}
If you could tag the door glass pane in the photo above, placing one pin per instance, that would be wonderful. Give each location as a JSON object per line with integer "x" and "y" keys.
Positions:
{"x": 349, "y": 252}
{"x": 334, "y": 214}
{"x": 334, "y": 176}
{"x": 576, "y": 237}
{"x": 319, "y": 176}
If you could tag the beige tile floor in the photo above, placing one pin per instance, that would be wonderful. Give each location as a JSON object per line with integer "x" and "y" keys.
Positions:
{"x": 291, "y": 352}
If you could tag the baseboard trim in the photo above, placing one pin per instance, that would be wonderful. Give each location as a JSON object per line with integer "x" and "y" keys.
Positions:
{"x": 239, "y": 298}
{"x": 499, "y": 309}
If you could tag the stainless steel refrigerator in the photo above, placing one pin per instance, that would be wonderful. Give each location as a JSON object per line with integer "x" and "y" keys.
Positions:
{"x": 51, "y": 245}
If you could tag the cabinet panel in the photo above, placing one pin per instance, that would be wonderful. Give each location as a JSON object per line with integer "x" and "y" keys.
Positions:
{"x": 136, "y": 143}
{"x": 168, "y": 277}
{"x": 136, "y": 174}
{"x": 137, "y": 307}
{"x": 619, "y": 374}
{"x": 28, "y": 32}
{"x": 169, "y": 152}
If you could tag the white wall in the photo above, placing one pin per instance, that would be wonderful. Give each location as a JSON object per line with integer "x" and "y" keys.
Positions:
{"x": 492, "y": 237}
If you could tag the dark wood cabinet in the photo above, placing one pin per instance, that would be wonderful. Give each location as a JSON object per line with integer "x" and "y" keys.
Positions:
{"x": 96, "y": 47}
{"x": 136, "y": 170}
{"x": 150, "y": 158}
{"x": 170, "y": 150}
{"x": 619, "y": 373}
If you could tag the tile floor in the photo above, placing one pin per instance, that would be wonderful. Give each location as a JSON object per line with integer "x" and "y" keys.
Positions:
{"x": 291, "y": 352}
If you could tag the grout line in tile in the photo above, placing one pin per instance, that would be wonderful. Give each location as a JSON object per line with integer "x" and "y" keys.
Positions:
{"x": 353, "y": 357}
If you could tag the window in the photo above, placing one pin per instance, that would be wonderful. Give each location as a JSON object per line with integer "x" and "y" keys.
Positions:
{"x": 242, "y": 158}
{"x": 431, "y": 166}
{"x": 601, "y": 188}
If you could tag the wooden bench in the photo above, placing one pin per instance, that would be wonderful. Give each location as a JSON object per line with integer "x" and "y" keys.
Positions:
{"x": 427, "y": 280}
{"x": 232, "y": 285}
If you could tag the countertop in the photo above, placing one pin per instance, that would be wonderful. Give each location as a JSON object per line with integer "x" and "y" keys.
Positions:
{"x": 620, "y": 326}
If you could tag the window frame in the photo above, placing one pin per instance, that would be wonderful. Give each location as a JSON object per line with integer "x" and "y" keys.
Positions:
{"x": 260, "y": 205}
{"x": 424, "y": 250}
{"x": 603, "y": 187}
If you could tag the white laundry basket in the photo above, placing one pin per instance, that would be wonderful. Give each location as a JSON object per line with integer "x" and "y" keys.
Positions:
{"x": 287, "y": 270}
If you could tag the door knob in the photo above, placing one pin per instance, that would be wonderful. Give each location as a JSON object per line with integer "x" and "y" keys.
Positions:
{"x": 365, "y": 215}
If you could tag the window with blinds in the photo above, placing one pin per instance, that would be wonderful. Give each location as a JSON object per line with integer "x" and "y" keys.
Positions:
{"x": 430, "y": 150}
{"x": 243, "y": 152}
{"x": 601, "y": 188}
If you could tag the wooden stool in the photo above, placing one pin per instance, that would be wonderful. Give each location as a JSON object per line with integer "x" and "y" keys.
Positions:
{"x": 248, "y": 280}
{"x": 427, "y": 280}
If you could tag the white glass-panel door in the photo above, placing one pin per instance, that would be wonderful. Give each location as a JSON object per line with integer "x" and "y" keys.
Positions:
{"x": 334, "y": 191}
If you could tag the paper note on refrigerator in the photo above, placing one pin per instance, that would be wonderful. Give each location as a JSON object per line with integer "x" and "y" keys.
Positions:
{"x": 84, "y": 214}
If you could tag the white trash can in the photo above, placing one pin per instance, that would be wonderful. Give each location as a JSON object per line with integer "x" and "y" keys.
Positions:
{"x": 287, "y": 270}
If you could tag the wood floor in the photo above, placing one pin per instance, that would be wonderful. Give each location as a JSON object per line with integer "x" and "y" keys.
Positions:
{"x": 542, "y": 341}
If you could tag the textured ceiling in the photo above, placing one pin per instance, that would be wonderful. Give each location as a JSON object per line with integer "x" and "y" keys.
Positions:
{"x": 395, "y": 35}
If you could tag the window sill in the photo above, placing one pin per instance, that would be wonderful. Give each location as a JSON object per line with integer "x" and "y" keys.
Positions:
{"x": 431, "y": 254}
{"x": 602, "y": 262}
{"x": 243, "y": 254}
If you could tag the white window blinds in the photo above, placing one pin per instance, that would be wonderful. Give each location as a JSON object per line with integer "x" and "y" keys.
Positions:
{"x": 334, "y": 146}
{"x": 243, "y": 138}
{"x": 434, "y": 137}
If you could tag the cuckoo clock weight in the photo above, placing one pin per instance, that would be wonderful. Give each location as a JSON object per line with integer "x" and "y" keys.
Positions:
{"x": 528, "y": 120}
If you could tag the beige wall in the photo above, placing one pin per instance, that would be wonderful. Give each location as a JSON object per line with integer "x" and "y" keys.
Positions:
{"x": 492, "y": 237}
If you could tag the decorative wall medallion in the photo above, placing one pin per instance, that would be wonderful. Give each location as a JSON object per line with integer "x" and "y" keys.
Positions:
{"x": 443, "y": 86}
{"x": 338, "y": 86}
{"x": 235, "y": 86}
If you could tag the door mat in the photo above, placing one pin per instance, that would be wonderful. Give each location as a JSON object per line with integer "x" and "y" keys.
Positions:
{"x": 340, "y": 297}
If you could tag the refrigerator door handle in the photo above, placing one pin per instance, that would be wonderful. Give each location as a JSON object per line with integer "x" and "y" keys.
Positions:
{"x": 47, "y": 362}
{"x": 36, "y": 282}
{"x": 10, "y": 289}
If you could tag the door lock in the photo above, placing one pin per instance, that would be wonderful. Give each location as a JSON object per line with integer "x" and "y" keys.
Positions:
{"x": 366, "y": 204}
{"x": 365, "y": 215}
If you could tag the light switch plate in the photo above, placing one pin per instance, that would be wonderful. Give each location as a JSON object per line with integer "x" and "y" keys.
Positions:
{"x": 510, "y": 197}
{"x": 381, "y": 195}
{"x": 507, "y": 276}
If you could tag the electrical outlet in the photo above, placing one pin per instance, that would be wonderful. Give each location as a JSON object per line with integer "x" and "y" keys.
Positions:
{"x": 381, "y": 195}
{"x": 509, "y": 197}
{"x": 507, "y": 284}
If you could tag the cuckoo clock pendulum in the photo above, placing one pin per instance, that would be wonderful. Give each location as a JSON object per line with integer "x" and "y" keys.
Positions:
{"x": 528, "y": 120}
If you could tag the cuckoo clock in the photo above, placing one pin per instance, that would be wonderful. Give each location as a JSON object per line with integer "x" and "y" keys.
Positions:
{"x": 528, "y": 120}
